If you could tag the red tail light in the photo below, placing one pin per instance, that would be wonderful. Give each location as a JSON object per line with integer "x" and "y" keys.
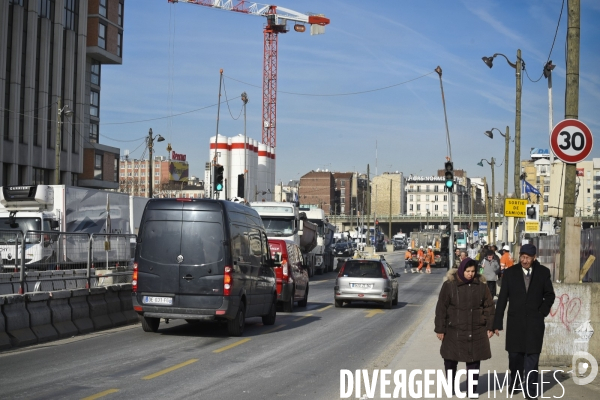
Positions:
{"x": 183, "y": 199}
{"x": 383, "y": 273}
{"x": 227, "y": 281}
{"x": 342, "y": 270}
{"x": 134, "y": 281}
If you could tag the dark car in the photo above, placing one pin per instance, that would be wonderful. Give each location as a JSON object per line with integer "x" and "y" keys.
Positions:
{"x": 343, "y": 249}
{"x": 203, "y": 259}
{"x": 290, "y": 272}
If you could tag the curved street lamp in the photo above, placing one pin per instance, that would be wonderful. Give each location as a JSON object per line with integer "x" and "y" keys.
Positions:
{"x": 506, "y": 137}
{"x": 493, "y": 227}
{"x": 519, "y": 65}
{"x": 57, "y": 147}
{"x": 150, "y": 144}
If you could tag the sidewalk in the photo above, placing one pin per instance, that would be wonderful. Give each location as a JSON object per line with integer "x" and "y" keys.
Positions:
{"x": 422, "y": 351}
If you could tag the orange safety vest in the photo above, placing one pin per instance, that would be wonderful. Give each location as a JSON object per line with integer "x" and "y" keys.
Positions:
{"x": 430, "y": 257}
{"x": 407, "y": 255}
{"x": 420, "y": 254}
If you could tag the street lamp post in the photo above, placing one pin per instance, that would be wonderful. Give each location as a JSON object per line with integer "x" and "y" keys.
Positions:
{"x": 245, "y": 101}
{"x": 57, "y": 146}
{"x": 506, "y": 137}
{"x": 493, "y": 226}
{"x": 150, "y": 144}
{"x": 519, "y": 65}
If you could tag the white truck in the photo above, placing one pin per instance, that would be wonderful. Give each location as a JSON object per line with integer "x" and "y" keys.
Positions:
{"x": 285, "y": 221}
{"x": 68, "y": 209}
{"x": 322, "y": 251}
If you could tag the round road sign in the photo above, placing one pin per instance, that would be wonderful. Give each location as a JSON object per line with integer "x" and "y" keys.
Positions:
{"x": 571, "y": 141}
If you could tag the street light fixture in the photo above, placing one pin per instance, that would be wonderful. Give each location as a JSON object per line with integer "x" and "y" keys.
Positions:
{"x": 518, "y": 66}
{"x": 57, "y": 148}
{"x": 493, "y": 227}
{"x": 507, "y": 138}
{"x": 150, "y": 144}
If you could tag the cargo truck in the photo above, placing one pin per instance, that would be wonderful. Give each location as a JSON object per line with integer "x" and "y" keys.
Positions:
{"x": 322, "y": 252}
{"x": 285, "y": 221}
{"x": 67, "y": 209}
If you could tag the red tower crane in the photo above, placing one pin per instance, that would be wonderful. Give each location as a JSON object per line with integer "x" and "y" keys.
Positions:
{"x": 277, "y": 18}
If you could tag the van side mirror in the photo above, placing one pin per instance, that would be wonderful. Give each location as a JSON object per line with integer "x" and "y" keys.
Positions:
{"x": 54, "y": 224}
{"x": 277, "y": 259}
{"x": 300, "y": 227}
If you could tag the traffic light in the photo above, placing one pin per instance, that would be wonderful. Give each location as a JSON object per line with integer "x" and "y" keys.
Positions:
{"x": 449, "y": 175}
{"x": 240, "y": 192}
{"x": 219, "y": 178}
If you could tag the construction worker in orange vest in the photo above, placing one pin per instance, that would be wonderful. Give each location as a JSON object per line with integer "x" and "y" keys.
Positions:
{"x": 421, "y": 257}
{"x": 407, "y": 260}
{"x": 430, "y": 258}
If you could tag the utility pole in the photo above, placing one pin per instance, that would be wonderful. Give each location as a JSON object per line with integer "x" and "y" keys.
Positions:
{"x": 506, "y": 155}
{"x": 493, "y": 202}
{"x": 517, "y": 171}
{"x": 57, "y": 146}
{"x": 150, "y": 146}
{"x": 487, "y": 208}
{"x": 368, "y": 240}
{"x": 214, "y": 193}
{"x": 245, "y": 101}
{"x": 390, "y": 223}
{"x": 571, "y": 112}
{"x": 472, "y": 203}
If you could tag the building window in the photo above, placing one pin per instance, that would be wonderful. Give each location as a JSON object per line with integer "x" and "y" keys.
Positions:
{"x": 93, "y": 132}
{"x": 343, "y": 183}
{"x": 69, "y": 14}
{"x": 545, "y": 208}
{"x": 418, "y": 188}
{"x": 342, "y": 192}
{"x": 102, "y": 36}
{"x": 95, "y": 73}
{"x": 427, "y": 196}
{"x": 156, "y": 182}
{"x": 102, "y": 8}
{"x": 445, "y": 207}
{"x": 445, "y": 198}
{"x": 427, "y": 188}
{"x": 17, "y": 2}
{"x": 418, "y": 207}
{"x": 435, "y": 207}
{"x": 157, "y": 174}
{"x": 545, "y": 198}
{"x": 435, "y": 198}
{"x": 435, "y": 188}
{"x": 98, "y": 167}
{"x": 342, "y": 200}
{"x": 410, "y": 207}
{"x": 122, "y": 174}
{"x": 119, "y": 44}
{"x": 410, "y": 198}
{"x": 94, "y": 104}
{"x": 418, "y": 197}
{"x": 46, "y": 9}
{"x": 546, "y": 188}
{"x": 120, "y": 17}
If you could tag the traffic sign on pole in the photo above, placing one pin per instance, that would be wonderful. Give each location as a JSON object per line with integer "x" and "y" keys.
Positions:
{"x": 571, "y": 141}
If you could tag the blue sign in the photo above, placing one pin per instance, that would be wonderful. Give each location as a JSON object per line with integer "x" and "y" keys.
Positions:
{"x": 475, "y": 234}
{"x": 483, "y": 227}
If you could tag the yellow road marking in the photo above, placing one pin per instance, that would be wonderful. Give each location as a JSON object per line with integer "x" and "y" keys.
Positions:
{"x": 101, "y": 394}
{"x": 170, "y": 369}
{"x": 273, "y": 329}
{"x": 370, "y": 313}
{"x": 231, "y": 346}
{"x": 302, "y": 317}
{"x": 324, "y": 308}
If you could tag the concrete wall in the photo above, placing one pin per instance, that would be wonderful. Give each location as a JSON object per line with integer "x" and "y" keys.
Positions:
{"x": 575, "y": 305}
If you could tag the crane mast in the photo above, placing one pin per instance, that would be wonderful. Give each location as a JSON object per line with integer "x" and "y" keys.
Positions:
{"x": 277, "y": 18}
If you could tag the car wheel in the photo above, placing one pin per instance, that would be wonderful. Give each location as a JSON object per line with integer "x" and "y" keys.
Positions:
{"x": 388, "y": 304}
{"x": 304, "y": 301}
{"x": 288, "y": 306}
{"x": 235, "y": 327}
{"x": 395, "y": 301}
{"x": 338, "y": 303}
{"x": 269, "y": 319}
{"x": 150, "y": 324}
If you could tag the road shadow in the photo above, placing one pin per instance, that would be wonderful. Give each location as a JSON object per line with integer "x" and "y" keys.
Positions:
{"x": 369, "y": 305}
{"x": 218, "y": 329}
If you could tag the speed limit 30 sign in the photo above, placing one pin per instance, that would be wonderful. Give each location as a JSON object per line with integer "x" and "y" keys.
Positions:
{"x": 571, "y": 141}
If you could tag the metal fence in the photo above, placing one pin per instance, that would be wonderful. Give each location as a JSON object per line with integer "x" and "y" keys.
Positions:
{"x": 40, "y": 260}
{"x": 549, "y": 247}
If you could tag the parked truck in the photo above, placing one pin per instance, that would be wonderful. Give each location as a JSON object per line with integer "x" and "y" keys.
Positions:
{"x": 285, "y": 221}
{"x": 55, "y": 211}
{"x": 322, "y": 252}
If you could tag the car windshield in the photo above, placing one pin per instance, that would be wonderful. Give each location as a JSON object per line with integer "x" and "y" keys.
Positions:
{"x": 278, "y": 226}
{"x": 340, "y": 246}
{"x": 20, "y": 224}
{"x": 364, "y": 269}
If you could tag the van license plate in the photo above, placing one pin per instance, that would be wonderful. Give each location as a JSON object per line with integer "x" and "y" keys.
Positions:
{"x": 167, "y": 301}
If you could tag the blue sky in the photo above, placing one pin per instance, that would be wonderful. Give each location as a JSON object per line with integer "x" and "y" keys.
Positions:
{"x": 173, "y": 53}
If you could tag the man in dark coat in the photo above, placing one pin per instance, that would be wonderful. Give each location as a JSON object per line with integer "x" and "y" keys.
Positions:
{"x": 527, "y": 287}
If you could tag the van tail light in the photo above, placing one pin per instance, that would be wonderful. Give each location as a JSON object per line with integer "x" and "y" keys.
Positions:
{"x": 285, "y": 271}
{"x": 342, "y": 270}
{"x": 383, "y": 273}
{"x": 134, "y": 281}
{"x": 227, "y": 281}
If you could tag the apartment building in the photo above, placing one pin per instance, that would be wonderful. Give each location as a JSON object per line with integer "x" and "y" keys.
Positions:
{"x": 167, "y": 177}
{"x": 426, "y": 196}
{"x": 388, "y": 190}
{"x": 317, "y": 189}
{"x": 51, "y": 56}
